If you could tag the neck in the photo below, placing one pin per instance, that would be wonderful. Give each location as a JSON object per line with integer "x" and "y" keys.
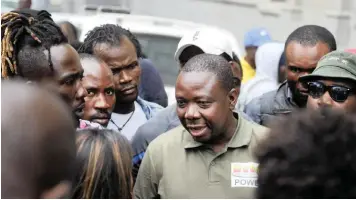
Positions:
{"x": 250, "y": 62}
{"x": 219, "y": 144}
{"x": 124, "y": 108}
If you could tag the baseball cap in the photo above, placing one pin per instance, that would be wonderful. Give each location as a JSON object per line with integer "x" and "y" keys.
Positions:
{"x": 210, "y": 40}
{"x": 336, "y": 64}
{"x": 256, "y": 37}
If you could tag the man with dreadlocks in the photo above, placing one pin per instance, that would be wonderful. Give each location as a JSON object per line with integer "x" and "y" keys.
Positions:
{"x": 120, "y": 50}
{"x": 34, "y": 48}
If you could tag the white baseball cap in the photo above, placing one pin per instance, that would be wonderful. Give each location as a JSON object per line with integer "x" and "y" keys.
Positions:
{"x": 210, "y": 40}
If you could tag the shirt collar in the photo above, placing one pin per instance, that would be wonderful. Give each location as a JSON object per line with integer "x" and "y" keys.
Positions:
{"x": 241, "y": 137}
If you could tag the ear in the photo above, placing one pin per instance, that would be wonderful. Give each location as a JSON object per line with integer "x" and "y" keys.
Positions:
{"x": 61, "y": 190}
{"x": 233, "y": 95}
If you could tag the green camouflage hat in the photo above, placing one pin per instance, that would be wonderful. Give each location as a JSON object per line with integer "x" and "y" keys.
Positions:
{"x": 336, "y": 64}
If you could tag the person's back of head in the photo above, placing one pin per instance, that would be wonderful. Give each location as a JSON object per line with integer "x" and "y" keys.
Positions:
{"x": 311, "y": 154}
{"x": 103, "y": 165}
{"x": 69, "y": 30}
{"x": 37, "y": 143}
{"x": 26, "y": 38}
{"x": 311, "y": 35}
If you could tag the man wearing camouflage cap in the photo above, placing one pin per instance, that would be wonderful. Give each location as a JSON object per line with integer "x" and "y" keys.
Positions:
{"x": 333, "y": 82}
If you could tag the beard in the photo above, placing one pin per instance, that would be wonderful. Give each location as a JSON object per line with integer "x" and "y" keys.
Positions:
{"x": 299, "y": 98}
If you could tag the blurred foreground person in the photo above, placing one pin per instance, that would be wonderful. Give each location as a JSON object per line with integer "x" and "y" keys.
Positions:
{"x": 254, "y": 38}
{"x": 309, "y": 155}
{"x": 198, "y": 159}
{"x": 351, "y": 51}
{"x": 33, "y": 48}
{"x": 333, "y": 82}
{"x": 121, "y": 51}
{"x": 70, "y": 31}
{"x": 37, "y": 143}
{"x": 267, "y": 71}
{"x": 202, "y": 40}
{"x": 304, "y": 48}
{"x": 98, "y": 81}
{"x": 103, "y": 166}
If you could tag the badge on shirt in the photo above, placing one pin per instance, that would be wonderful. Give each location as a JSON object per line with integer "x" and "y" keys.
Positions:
{"x": 244, "y": 174}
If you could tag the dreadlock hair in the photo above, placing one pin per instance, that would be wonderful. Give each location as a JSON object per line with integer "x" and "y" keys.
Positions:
{"x": 27, "y": 28}
{"x": 110, "y": 34}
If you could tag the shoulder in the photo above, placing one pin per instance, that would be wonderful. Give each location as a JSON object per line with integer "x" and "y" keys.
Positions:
{"x": 151, "y": 104}
{"x": 258, "y": 132}
{"x": 155, "y": 126}
{"x": 149, "y": 107}
{"x": 259, "y": 103}
{"x": 169, "y": 139}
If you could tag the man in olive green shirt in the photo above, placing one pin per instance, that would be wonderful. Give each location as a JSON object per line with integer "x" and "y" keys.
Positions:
{"x": 211, "y": 155}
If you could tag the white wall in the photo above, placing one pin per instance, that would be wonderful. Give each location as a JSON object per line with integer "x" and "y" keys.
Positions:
{"x": 339, "y": 16}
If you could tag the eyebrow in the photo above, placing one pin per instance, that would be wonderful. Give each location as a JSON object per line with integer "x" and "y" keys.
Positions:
{"x": 72, "y": 75}
{"x": 95, "y": 86}
{"x": 133, "y": 63}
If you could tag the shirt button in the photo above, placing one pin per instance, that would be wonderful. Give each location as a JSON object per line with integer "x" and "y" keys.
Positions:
{"x": 212, "y": 163}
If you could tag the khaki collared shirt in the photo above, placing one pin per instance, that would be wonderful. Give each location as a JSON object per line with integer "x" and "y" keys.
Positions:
{"x": 176, "y": 166}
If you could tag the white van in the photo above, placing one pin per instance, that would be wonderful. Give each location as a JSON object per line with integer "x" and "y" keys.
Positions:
{"x": 158, "y": 37}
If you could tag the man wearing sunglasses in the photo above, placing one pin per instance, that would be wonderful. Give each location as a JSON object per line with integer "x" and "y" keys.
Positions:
{"x": 333, "y": 82}
{"x": 304, "y": 48}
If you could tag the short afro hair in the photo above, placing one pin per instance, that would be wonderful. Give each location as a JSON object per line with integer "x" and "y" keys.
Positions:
{"x": 310, "y": 154}
{"x": 310, "y": 35}
{"x": 110, "y": 34}
{"x": 212, "y": 63}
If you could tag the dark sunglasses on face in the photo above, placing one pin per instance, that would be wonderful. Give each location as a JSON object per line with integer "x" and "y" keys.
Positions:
{"x": 336, "y": 92}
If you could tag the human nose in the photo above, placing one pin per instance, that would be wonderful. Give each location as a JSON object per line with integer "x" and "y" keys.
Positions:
{"x": 325, "y": 100}
{"x": 101, "y": 102}
{"x": 192, "y": 112}
{"x": 124, "y": 77}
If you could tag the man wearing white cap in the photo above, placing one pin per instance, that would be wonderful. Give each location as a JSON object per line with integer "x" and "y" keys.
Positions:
{"x": 203, "y": 40}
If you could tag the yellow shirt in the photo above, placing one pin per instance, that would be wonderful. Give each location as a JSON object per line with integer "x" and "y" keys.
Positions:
{"x": 248, "y": 71}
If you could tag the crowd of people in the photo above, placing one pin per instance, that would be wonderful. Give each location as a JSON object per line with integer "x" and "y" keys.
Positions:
{"x": 276, "y": 123}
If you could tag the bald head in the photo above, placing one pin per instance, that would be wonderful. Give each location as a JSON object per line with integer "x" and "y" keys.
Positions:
{"x": 98, "y": 80}
{"x": 214, "y": 64}
{"x": 95, "y": 67}
{"x": 37, "y": 142}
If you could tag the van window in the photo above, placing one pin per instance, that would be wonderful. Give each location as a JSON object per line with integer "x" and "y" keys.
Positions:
{"x": 160, "y": 50}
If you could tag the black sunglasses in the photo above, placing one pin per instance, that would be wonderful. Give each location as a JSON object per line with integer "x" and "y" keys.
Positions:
{"x": 336, "y": 92}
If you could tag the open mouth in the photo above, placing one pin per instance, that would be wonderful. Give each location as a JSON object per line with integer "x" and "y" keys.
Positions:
{"x": 197, "y": 131}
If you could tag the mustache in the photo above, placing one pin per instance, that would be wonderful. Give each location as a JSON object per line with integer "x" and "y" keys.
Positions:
{"x": 101, "y": 115}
